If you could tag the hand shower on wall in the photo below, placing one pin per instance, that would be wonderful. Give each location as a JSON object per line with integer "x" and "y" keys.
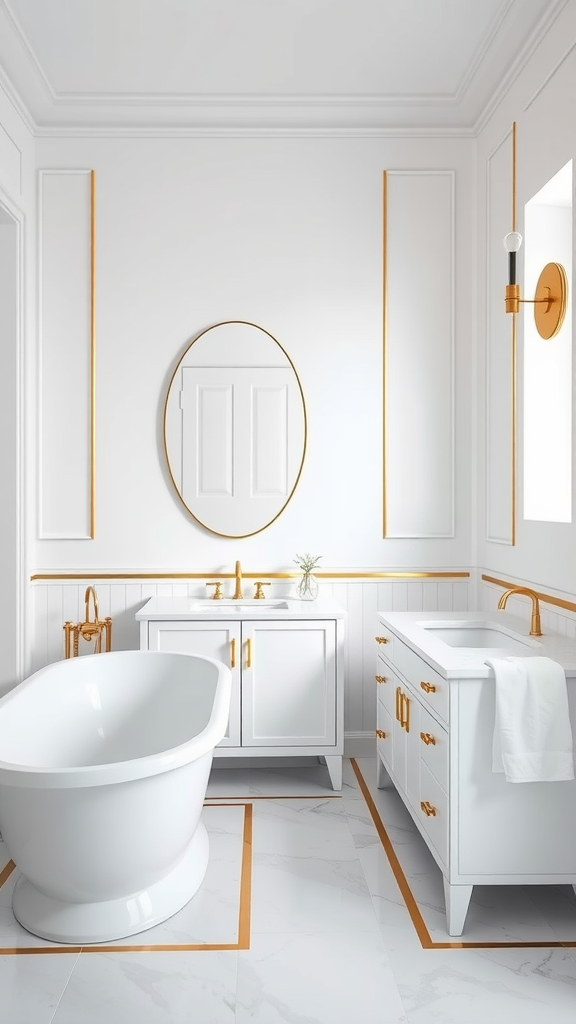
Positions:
{"x": 90, "y": 629}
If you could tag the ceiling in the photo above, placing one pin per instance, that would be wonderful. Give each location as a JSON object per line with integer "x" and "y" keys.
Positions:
{"x": 364, "y": 66}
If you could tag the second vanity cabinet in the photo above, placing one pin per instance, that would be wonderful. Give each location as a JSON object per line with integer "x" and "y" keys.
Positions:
{"x": 287, "y": 674}
{"x": 434, "y": 742}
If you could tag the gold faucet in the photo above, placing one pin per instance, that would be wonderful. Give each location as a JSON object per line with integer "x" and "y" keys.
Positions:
{"x": 238, "y": 592}
{"x": 535, "y": 627}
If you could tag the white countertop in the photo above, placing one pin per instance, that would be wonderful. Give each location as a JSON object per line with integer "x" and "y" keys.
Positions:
{"x": 183, "y": 608}
{"x": 469, "y": 662}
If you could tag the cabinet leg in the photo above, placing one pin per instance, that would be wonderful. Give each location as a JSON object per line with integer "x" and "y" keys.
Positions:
{"x": 334, "y": 766}
{"x": 382, "y": 776}
{"x": 457, "y": 901}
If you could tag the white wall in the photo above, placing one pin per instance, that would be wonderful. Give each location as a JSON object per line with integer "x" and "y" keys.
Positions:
{"x": 17, "y": 177}
{"x": 542, "y": 103}
{"x": 287, "y": 233}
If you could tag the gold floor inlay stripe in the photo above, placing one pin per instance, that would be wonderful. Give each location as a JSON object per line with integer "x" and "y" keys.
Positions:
{"x": 244, "y": 913}
{"x": 420, "y": 927}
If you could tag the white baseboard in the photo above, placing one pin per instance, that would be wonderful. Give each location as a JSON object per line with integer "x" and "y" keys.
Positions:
{"x": 359, "y": 744}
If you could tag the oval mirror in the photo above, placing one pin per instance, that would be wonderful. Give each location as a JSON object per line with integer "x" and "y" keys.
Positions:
{"x": 235, "y": 429}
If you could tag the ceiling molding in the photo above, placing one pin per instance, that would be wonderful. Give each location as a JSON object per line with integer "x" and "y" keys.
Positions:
{"x": 539, "y": 32}
{"x": 48, "y": 113}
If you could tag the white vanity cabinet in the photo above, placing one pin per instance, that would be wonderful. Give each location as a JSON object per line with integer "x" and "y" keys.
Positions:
{"x": 434, "y": 742}
{"x": 287, "y": 674}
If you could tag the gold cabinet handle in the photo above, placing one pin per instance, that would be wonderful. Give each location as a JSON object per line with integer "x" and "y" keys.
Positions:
{"x": 248, "y": 653}
{"x": 428, "y": 739}
{"x": 429, "y": 687}
{"x": 381, "y": 734}
{"x": 428, "y": 808}
{"x": 381, "y": 639}
{"x": 406, "y": 705}
{"x": 381, "y": 679}
{"x": 232, "y": 654}
{"x": 398, "y": 695}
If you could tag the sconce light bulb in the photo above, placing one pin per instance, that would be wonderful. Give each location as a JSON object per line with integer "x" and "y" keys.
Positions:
{"x": 513, "y": 241}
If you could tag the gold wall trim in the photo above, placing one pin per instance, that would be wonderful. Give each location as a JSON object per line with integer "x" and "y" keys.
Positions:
{"x": 96, "y": 575}
{"x": 412, "y": 907}
{"x": 514, "y": 352}
{"x": 384, "y": 353}
{"x": 244, "y": 912}
{"x": 559, "y": 602}
{"x": 92, "y": 356}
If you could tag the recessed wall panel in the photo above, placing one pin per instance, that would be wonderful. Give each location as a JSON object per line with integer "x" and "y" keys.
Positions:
{"x": 499, "y": 354}
{"x": 419, "y": 329}
{"x": 269, "y": 440}
{"x": 65, "y": 332}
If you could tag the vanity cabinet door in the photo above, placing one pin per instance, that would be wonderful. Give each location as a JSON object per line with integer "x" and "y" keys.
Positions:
{"x": 220, "y": 640}
{"x": 288, "y": 683}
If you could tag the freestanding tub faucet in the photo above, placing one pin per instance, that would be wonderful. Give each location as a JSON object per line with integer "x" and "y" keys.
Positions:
{"x": 238, "y": 591}
{"x": 535, "y": 626}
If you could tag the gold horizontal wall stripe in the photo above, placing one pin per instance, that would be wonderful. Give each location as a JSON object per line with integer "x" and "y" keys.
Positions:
{"x": 558, "y": 601}
{"x": 95, "y": 575}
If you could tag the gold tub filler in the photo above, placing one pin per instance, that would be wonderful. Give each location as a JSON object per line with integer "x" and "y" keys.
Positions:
{"x": 90, "y": 629}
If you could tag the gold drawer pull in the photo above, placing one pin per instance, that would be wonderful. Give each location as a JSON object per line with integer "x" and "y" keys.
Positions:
{"x": 381, "y": 679}
{"x": 427, "y": 738}
{"x": 380, "y": 734}
{"x": 381, "y": 639}
{"x": 248, "y": 653}
{"x": 429, "y": 687}
{"x": 232, "y": 654}
{"x": 428, "y": 808}
{"x": 405, "y": 723}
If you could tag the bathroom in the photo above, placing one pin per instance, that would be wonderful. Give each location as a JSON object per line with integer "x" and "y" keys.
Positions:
{"x": 419, "y": 449}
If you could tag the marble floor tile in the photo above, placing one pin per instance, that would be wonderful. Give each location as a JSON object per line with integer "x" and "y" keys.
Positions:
{"x": 150, "y": 988}
{"x": 225, "y": 782}
{"x": 311, "y": 781}
{"x": 31, "y": 986}
{"x": 503, "y": 986}
{"x": 317, "y": 979}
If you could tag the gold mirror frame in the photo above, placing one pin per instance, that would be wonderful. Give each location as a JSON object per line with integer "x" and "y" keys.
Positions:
{"x": 246, "y": 323}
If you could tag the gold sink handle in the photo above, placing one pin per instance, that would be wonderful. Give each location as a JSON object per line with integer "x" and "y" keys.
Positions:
{"x": 217, "y": 595}
{"x": 259, "y": 595}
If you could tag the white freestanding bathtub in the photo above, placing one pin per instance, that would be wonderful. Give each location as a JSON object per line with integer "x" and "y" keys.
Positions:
{"x": 104, "y": 763}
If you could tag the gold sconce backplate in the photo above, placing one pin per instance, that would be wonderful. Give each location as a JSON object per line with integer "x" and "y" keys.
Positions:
{"x": 550, "y": 300}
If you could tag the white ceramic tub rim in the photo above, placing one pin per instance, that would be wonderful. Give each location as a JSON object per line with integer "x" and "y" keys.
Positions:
{"x": 79, "y": 776}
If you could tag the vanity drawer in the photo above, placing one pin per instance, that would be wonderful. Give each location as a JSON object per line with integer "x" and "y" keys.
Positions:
{"x": 433, "y": 812}
{"x": 384, "y": 725}
{"x": 386, "y": 683}
{"x": 431, "y": 688}
{"x": 384, "y": 639}
{"x": 434, "y": 747}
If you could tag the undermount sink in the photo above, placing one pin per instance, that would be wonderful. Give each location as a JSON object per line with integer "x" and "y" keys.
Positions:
{"x": 484, "y": 635}
{"x": 231, "y": 606}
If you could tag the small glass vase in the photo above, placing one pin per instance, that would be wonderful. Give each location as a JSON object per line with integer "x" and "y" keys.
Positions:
{"x": 307, "y": 587}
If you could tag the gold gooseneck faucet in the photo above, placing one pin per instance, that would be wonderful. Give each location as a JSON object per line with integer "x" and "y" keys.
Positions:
{"x": 535, "y": 626}
{"x": 238, "y": 591}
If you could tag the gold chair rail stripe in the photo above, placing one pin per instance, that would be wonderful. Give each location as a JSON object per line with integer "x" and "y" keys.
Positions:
{"x": 559, "y": 602}
{"x": 96, "y": 575}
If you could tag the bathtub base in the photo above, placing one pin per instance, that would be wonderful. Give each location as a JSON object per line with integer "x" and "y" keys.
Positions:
{"x": 83, "y": 923}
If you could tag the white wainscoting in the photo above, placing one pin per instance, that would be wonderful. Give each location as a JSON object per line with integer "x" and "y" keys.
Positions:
{"x": 65, "y": 323}
{"x": 56, "y": 601}
{"x": 419, "y": 390}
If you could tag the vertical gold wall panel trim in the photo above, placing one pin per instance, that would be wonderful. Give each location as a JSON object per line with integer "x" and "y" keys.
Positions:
{"x": 92, "y": 358}
{"x": 384, "y": 349}
{"x": 514, "y": 348}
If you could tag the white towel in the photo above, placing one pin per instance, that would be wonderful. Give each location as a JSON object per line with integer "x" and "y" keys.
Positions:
{"x": 532, "y": 732}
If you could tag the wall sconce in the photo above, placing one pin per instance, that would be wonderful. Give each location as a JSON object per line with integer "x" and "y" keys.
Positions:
{"x": 550, "y": 298}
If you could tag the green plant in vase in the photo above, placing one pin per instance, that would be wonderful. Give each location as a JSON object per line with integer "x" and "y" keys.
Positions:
{"x": 307, "y": 586}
